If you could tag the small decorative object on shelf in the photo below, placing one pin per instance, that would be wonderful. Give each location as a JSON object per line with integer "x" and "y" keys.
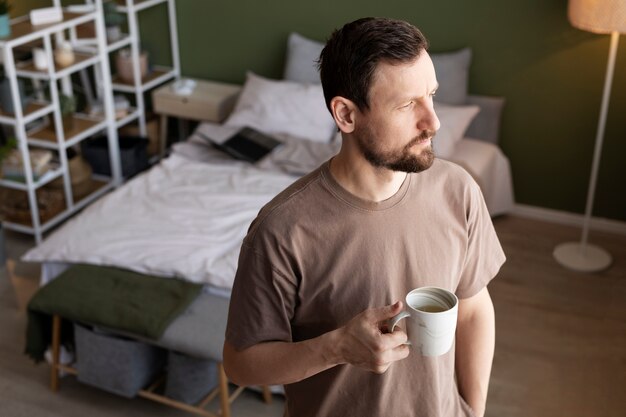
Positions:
{"x": 5, "y": 24}
{"x": 113, "y": 21}
{"x": 40, "y": 59}
{"x": 124, "y": 65}
{"x": 64, "y": 55}
{"x": 46, "y": 16}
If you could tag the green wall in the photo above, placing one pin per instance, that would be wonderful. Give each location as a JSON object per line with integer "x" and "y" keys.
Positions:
{"x": 525, "y": 50}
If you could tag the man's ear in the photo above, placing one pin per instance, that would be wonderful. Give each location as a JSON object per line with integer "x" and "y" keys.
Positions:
{"x": 343, "y": 111}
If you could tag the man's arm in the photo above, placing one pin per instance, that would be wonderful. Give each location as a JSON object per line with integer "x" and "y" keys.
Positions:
{"x": 475, "y": 341}
{"x": 360, "y": 342}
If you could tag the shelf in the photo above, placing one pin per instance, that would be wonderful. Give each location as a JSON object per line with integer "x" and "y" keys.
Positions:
{"x": 124, "y": 41}
{"x": 88, "y": 45}
{"x": 158, "y": 76}
{"x": 132, "y": 115}
{"x": 97, "y": 187}
{"x": 22, "y": 31}
{"x": 32, "y": 111}
{"x": 35, "y": 126}
{"x": 83, "y": 60}
{"x": 83, "y": 127}
{"x": 43, "y": 180}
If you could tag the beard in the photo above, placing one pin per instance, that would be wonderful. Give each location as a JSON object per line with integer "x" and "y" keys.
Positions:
{"x": 402, "y": 160}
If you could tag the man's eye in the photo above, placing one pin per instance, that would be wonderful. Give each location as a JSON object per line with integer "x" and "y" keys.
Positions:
{"x": 409, "y": 104}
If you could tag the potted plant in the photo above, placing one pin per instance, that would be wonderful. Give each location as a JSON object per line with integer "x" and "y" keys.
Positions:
{"x": 5, "y": 24}
{"x": 5, "y": 150}
{"x": 68, "y": 108}
{"x": 112, "y": 20}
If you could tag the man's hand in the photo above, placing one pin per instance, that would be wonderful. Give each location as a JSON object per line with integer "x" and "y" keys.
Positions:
{"x": 362, "y": 342}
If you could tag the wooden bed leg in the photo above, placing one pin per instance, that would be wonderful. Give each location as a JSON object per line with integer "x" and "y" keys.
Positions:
{"x": 224, "y": 397}
{"x": 56, "y": 344}
{"x": 267, "y": 394}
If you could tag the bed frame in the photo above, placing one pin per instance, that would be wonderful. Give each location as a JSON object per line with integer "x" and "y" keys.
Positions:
{"x": 225, "y": 396}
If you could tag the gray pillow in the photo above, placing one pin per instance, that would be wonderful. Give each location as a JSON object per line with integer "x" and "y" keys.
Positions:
{"x": 452, "y": 68}
{"x": 452, "y": 73}
{"x": 301, "y": 62}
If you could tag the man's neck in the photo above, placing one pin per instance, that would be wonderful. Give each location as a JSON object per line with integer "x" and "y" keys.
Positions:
{"x": 354, "y": 173}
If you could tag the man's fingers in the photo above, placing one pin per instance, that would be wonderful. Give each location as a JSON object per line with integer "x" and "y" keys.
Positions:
{"x": 395, "y": 339}
{"x": 386, "y": 312}
{"x": 390, "y": 356}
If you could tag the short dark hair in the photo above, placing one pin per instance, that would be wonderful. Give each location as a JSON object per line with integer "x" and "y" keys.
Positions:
{"x": 349, "y": 60}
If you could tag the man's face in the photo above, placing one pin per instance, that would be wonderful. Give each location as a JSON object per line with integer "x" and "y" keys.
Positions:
{"x": 396, "y": 131}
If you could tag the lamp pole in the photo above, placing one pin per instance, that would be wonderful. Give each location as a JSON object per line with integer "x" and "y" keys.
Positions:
{"x": 582, "y": 256}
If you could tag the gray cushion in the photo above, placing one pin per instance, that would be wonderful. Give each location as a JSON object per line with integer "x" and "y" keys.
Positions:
{"x": 486, "y": 125}
{"x": 301, "y": 60}
{"x": 452, "y": 74}
{"x": 200, "y": 330}
{"x": 452, "y": 68}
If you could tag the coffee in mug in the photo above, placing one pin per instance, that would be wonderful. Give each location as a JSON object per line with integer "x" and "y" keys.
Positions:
{"x": 431, "y": 314}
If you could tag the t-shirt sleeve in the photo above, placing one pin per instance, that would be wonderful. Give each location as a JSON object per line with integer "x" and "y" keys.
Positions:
{"x": 484, "y": 255}
{"x": 262, "y": 302}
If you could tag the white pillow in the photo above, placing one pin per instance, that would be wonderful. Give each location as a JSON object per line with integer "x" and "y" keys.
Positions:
{"x": 454, "y": 122}
{"x": 283, "y": 107}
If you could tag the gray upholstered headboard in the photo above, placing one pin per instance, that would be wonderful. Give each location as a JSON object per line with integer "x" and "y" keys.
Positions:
{"x": 486, "y": 125}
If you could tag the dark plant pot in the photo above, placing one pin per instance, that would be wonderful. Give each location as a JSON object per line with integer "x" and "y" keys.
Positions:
{"x": 6, "y": 101}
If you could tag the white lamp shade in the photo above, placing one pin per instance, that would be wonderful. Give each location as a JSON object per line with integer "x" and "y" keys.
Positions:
{"x": 598, "y": 16}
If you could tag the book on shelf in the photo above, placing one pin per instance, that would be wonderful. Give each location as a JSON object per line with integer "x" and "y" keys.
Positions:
{"x": 40, "y": 162}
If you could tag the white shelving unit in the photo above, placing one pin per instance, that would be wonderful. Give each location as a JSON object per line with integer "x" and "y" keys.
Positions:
{"x": 91, "y": 54}
{"x": 53, "y": 136}
{"x": 132, "y": 40}
{"x": 159, "y": 74}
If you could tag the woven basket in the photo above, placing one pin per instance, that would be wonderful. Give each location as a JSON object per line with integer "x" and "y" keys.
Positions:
{"x": 80, "y": 177}
{"x": 14, "y": 205}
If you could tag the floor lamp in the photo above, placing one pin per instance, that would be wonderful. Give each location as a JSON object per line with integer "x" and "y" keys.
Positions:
{"x": 598, "y": 16}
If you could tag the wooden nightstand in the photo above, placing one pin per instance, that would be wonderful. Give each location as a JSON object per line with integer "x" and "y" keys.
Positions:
{"x": 207, "y": 101}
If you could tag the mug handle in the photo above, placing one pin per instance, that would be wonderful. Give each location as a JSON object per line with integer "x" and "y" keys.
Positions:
{"x": 393, "y": 322}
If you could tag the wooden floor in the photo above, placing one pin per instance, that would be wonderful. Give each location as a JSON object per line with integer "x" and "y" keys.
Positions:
{"x": 560, "y": 345}
{"x": 561, "y": 335}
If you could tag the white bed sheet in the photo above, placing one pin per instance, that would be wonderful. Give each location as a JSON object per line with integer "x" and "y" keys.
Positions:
{"x": 491, "y": 170}
{"x": 180, "y": 219}
{"x": 187, "y": 216}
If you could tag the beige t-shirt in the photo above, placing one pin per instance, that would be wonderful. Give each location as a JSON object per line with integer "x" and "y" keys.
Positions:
{"x": 316, "y": 256}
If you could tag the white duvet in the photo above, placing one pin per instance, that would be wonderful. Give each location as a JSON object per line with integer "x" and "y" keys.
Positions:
{"x": 181, "y": 218}
{"x": 187, "y": 216}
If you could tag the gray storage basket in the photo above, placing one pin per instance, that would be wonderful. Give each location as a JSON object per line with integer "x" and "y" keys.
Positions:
{"x": 115, "y": 364}
{"x": 189, "y": 379}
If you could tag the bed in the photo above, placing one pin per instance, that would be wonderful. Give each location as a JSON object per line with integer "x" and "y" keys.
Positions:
{"x": 186, "y": 217}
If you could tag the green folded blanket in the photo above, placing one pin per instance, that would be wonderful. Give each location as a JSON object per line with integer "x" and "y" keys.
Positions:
{"x": 109, "y": 297}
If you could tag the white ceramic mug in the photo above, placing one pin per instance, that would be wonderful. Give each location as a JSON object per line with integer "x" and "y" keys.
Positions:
{"x": 431, "y": 314}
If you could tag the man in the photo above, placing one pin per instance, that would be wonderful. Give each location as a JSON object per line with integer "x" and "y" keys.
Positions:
{"x": 325, "y": 263}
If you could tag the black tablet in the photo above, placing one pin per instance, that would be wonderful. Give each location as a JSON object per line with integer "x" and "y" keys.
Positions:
{"x": 248, "y": 144}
